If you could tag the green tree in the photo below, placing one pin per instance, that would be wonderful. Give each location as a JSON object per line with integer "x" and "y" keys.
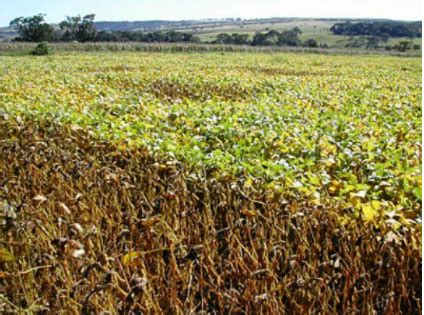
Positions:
{"x": 404, "y": 46}
{"x": 79, "y": 28}
{"x": 240, "y": 39}
{"x": 373, "y": 42}
{"x": 33, "y": 29}
{"x": 223, "y": 38}
{"x": 272, "y": 37}
{"x": 312, "y": 43}
{"x": 259, "y": 39}
{"x": 296, "y": 31}
{"x": 290, "y": 37}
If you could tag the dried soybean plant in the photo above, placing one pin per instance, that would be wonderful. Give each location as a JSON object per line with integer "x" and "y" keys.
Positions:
{"x": 89, "y": 227}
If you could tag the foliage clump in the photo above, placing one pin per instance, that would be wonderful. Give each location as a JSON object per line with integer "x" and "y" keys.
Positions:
{"x": 42, "y": 49}
{"x": 33, "y": 29}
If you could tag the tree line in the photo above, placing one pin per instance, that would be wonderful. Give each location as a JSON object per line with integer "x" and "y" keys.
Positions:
{"x": 36, "y": 29}
{"x": 83, "y": 29}
{"x": 270, "y": 38}
{"x": 383, "y": 29}
{"x": 150, "y": 37}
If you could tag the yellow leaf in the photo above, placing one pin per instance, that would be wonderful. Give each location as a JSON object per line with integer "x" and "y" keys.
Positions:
{"x": 5, "y": 255}
{"x": 355, "y": 201}
{"x": 131, "y": 259}
{"x": 335, "y": 187}
{"x": 151, "y": 221}
{"x": 315, "y": 180}
{"x": 371, "y": 210}
{"x": 376, "y": 204}
{"x": 249, "y": 213}
{"x": 248, "y": 183}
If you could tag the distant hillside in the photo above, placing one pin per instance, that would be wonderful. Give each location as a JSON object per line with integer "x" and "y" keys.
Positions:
{"x": 131, "y": 26}
{"x": 320, "y": 30}
{"x": 159, "y": 24}
{"x": 7, "y": 33}
{"x": 168, "y": 24}
{"x": 185, "y": 24}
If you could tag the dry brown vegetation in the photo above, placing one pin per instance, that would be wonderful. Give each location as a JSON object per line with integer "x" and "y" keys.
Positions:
{"x": 176, "y": 90}
{"x": 96, "y": 228}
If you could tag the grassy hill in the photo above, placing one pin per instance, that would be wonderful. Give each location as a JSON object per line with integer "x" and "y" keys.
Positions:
{"x": 318, "y": 29}
{"x": 207, "y": 30}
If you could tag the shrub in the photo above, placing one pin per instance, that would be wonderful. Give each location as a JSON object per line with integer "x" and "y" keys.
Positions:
{"x": 312, "y": 43}
{"x": 41, "y": 50}
{"x": 403, "y": 46}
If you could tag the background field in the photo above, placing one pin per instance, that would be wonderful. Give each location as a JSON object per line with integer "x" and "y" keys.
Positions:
{"x": 318, "y": 29}
{"x": 311, "y": 28}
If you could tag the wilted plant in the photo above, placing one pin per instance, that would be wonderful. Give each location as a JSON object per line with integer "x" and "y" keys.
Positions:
{"x": 98, "y": 228}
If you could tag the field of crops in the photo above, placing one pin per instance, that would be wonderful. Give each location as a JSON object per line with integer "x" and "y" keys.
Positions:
{"x": 210, "y": 182}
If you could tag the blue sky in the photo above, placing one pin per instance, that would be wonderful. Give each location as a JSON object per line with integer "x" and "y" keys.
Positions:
{"x": 115, "y": 10}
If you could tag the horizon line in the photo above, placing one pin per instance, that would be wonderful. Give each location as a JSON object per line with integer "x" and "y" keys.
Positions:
{"x": 248, "y": 19}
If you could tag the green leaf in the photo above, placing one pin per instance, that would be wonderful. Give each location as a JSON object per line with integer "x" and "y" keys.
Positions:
{"x": 418, "y": 193}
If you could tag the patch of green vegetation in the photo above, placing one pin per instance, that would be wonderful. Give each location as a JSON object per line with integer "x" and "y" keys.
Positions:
{"x": 344, "y": 128}
{"x": 41, "y": 50}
